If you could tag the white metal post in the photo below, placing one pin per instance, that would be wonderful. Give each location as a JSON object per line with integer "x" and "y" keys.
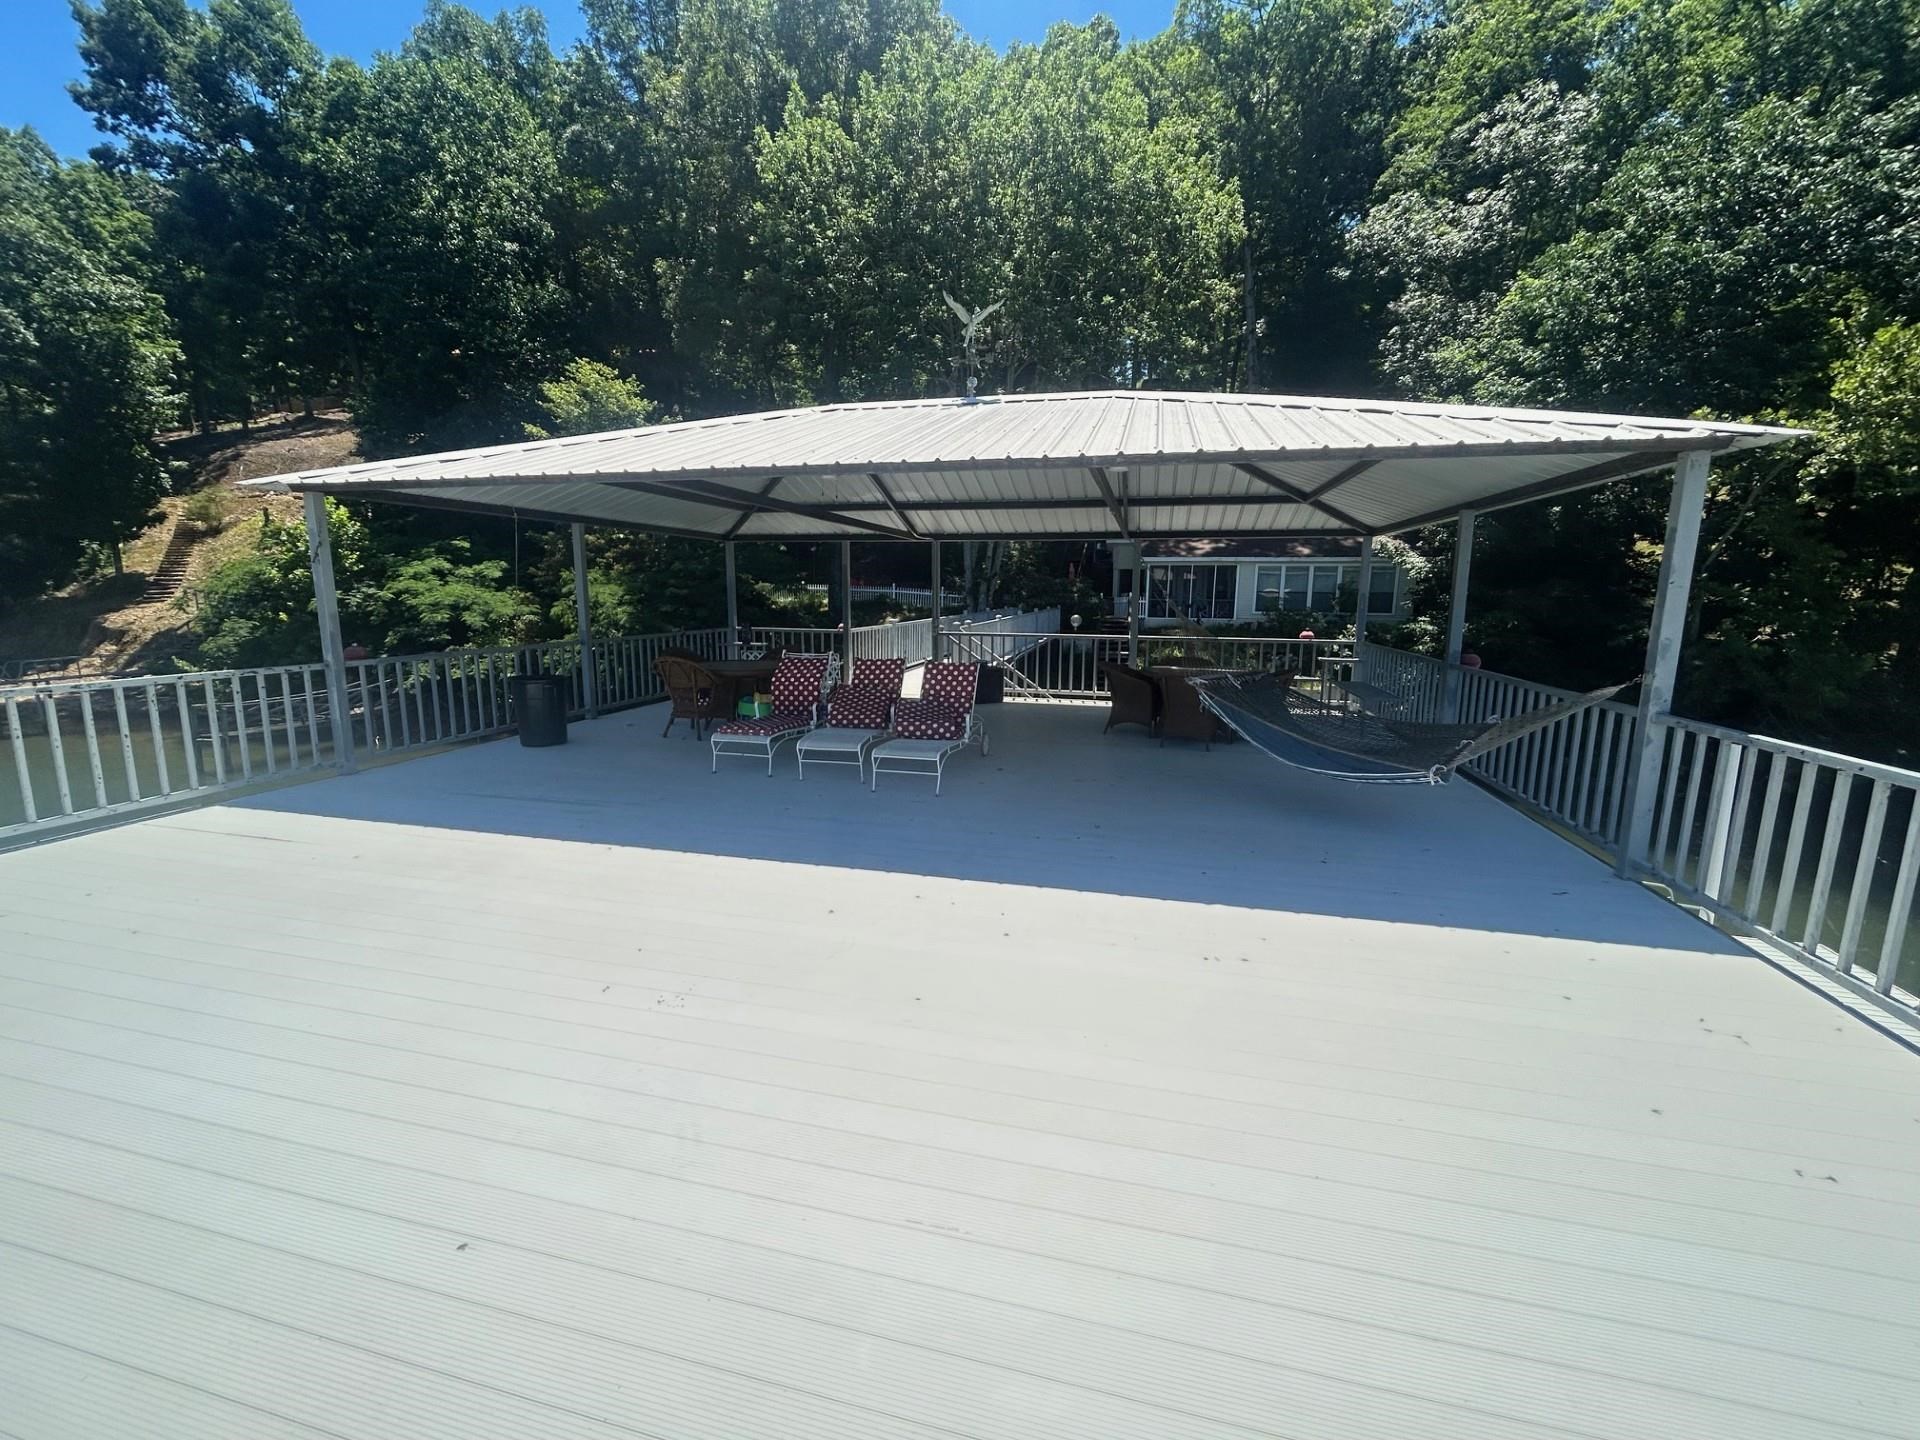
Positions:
{"x": 1684, "y": 509}
{"x": 733, "y": 603}
{"x": 326, "y": 605}
{"x": 846, "y": 605}
{"x": 1457, "y": 611}
{"x": 1135, "y": 604}
{"x": 933, "y": 643}
{"x": 1360, "y": 600}
{"x": 583, "y": 620}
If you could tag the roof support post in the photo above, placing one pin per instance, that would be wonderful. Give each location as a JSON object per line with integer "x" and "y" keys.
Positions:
{"x": 1457, "y": 613}
{"x": 733, "y": 603}
{"x": 326, "y": 606}
{"x": 583, "y": 622}
{"x": 846, "y": 607}
{"x": 1365, "y": 590}
{"x": 933, "y": 641}
{"x": 1684, "y": 509}
{"x": 1134, "y": 606}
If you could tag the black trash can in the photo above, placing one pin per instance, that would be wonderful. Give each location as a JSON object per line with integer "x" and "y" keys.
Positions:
{"x": 993, "y": 685}
{"x": 540, "y": 708}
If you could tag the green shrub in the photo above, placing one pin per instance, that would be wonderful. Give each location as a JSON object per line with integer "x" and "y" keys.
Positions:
{"x": 205, "y": 511}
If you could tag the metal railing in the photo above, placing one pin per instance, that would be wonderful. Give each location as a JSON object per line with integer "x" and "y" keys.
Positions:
{"x": 1815, "y": 852}
{"x": 909, "y": 640}
{"x": 78, "y": 750}
{"x": 1051, "y": 665}
{"x": 86, "y": 748}
{"x": 1573, "y": 771}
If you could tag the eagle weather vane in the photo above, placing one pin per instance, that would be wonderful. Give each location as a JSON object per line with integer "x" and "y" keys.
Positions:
{"x": 969, "y": 328}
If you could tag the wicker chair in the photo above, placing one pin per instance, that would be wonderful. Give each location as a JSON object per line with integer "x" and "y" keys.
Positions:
{"x": 1183, "y": 717}
{"x": 694, "y": 693}
{"x": 1135, "y": 696}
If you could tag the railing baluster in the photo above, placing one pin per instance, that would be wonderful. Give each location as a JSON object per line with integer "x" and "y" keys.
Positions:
{"x": 1737, "y": 826}
{"x": 126, "y": 743}
{"x": 183, "y": 709}
{"x": 1714, "y": 843}
{"x": 1900, "y": 912}
{"x": 25, "y": 776}
{"x": 62, "y": 785}
{"x": 93, "y": 748}
{"x": 1763, "y": 839}
{"x": 386, "y": 711}
{"x": 1804, "y": 786}
{"x": 157, "y": 738}
{"x": 1863, "y": 869}
{"x": 238, "y": 682}
{"x": 216, "y": 732}
{"x": 1823, "y": 866}
{"x": 310, "y": 702}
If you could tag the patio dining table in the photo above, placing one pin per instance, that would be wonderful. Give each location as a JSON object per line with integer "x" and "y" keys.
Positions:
{"x": 739, "y": 677}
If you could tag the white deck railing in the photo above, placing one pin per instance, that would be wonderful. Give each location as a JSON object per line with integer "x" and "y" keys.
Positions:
{"x": 79, "y": 750}
{"x": 909, "y": 640}
{"x": 1054, "y": 666}
{"x": 1815, "y": 852}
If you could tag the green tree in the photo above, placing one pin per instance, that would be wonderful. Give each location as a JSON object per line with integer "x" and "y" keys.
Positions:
{"x": 85, "y": 367}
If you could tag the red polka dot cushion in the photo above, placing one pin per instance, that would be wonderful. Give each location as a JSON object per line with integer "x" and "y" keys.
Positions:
{"x": 764, "y": 725}
{"x": 885, "y": 676}
{"x": 950, "y": 684}
{"x": 798, "y": 683}
{"x": 928, "y": 720}
{"x": 856, "y": 707}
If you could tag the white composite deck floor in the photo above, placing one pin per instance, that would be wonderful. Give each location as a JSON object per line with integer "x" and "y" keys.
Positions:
{"x": 1119, "y": 1092}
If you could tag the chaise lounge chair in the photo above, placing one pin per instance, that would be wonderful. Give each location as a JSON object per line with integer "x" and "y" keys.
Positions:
{"x": 858, "y": 714}
{"x": 943, "y": 721}
{"x": 799, "y": 685}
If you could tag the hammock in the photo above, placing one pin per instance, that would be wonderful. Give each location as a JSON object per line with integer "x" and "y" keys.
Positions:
{"x": 1308, "y": 734}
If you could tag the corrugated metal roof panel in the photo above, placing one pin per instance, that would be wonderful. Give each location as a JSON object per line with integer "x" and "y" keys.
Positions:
{"x": 1038, "y": 447}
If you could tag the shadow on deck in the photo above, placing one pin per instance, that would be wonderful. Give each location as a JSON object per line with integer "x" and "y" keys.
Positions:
{"x": 1055, "y": 803}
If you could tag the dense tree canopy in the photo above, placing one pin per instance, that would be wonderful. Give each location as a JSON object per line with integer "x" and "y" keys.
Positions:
{"x": 708, "y": 205}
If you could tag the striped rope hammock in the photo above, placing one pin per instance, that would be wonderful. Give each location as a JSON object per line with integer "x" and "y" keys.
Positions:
{"x": 1345, "y": 744}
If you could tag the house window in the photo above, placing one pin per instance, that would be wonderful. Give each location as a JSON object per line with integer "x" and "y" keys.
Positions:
{"x": 1203, "y": 592}
{"x": 1318, "y": 587}
{"x": 1381, "y": 594}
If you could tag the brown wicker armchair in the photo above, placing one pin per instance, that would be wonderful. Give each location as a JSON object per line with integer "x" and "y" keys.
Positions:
{"x": 1183, "y": 717}
{"x": 1135, "y": 697}
{"x": 694, "y": 693}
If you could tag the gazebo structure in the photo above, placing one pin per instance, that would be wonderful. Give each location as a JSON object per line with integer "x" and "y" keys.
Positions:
{"x": 1120, "y": 1091}
{"x": 1117, "y": 466}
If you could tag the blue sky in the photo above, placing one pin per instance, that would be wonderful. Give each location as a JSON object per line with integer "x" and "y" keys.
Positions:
{"x": 40, "y": 57}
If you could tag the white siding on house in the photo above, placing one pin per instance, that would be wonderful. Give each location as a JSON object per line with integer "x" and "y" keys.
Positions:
{"x": 1247, "y": 585}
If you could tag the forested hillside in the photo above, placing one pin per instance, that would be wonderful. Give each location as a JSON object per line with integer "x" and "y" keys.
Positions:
{"x": 714, "y": 205}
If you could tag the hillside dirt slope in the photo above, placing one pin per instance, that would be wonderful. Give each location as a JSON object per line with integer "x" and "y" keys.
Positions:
{"x": 130, "y": 625}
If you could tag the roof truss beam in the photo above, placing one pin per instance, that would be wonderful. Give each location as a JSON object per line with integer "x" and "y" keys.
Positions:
{"x": 746, "y": 515}
{"x": 1115, "y": 507}
{"x": 893, "y": 506}
{"x": 1614, "y": 469}
{"x": 1293, "y": 492}
{"x": 1346, "y": 473}
{"x": 707, "y": 493}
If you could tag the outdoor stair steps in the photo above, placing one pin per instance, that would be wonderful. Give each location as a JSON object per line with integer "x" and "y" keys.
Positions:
{"x": 171, "y": 573}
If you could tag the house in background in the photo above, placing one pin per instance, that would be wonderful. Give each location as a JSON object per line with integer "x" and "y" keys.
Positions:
{"x": 1239, "y": 582}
